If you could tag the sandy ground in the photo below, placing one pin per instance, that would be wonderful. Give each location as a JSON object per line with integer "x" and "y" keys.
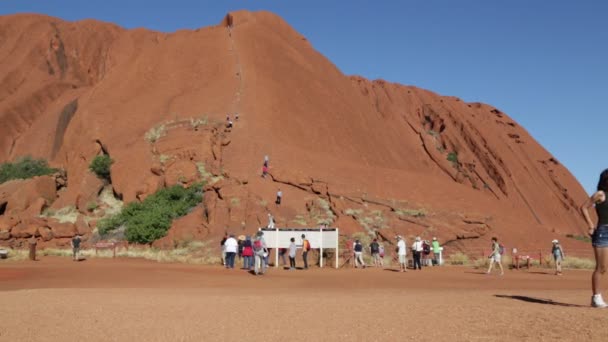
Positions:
{"x": 56, "y": 299}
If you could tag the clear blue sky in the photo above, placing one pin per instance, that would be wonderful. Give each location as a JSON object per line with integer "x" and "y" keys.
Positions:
{"x": 545, "y": 63}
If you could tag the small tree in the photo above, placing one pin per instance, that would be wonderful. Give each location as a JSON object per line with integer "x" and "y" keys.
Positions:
{"x": 101, "y": 166}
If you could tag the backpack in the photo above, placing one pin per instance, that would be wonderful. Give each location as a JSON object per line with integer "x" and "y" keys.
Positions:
{"x": 374, "y": 247}
{"x": 358, "y": 247}
{"x": 306, "y": 245}
{"x": 501, "y": 249}
{"x": 257, "y": 245}
{"x": 426, "y": 248}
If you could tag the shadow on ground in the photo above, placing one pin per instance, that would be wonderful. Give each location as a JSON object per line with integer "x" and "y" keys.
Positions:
{"x": 539, "y": 301}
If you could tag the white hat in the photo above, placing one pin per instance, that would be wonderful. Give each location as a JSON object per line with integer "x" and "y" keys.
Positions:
{"x": 555, "y": 241}
{"x": 417, "y": 238}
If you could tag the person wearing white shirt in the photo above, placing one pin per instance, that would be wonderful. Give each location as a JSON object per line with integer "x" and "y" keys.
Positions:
{"x": 417, "y": 251}
{"x": 231, "y": 246}
{"x": 402, "y": 252}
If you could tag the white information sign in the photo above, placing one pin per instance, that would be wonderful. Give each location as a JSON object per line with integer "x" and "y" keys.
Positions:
{"x": 326, "y": 238}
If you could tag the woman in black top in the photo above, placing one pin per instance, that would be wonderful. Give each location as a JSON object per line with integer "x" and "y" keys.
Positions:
{"x": 599, "y": 237}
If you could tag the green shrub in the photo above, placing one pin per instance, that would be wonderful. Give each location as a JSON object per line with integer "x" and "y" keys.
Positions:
{"x": 24, "y": 168}
{"x": 101, "y": 166}
{"x": 151, "y": 219}
{"x": 453, "y": 158}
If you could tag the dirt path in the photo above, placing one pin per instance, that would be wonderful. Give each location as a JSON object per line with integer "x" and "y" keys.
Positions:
{"x": 127, "y": 300}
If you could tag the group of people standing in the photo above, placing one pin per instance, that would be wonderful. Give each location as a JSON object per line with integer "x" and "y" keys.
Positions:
{"x": 255, "y": 254}
{"x": 420, "y": 248}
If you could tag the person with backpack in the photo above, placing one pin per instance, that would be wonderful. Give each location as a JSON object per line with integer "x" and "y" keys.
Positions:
{"x": 558, "y": 256}
{"x": 495, "y": 256}
{"x": 305, "y": 249}
{"x": 358, "y": 248}
{"x": 374, "y": 248}
{"x": 247, "y": 253}
{"x": 292, "y": 254}
{"x": 259, "y": 252}
{"x": 417, "y": 250}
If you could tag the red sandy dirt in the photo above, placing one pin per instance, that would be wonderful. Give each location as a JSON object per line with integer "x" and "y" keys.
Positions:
{"x": 345, "y": 150}
{"x": 128, "y": 300}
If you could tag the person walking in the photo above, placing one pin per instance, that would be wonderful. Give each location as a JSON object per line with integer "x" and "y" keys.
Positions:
{"x": 292, "y": 254}
{"x": 270, "y": 221}
{"x": 417, "y": 252}
{"x": 279, "y": 197}
{"x": 231, "y": 246}
{"x": 282, "y": 253}
{"x": 599, "y": 237}
{"x": 374, "y": 248}
{"x": 75, "y": 247}
{"x": 381, "y": 255}
{"x": 305, "y": 249}
{"x": 436, "y": 251}
{"x": 401, "y": 252}
{"x": 260, "y": 251}
{"x": 558, "y": 256}
{"x": 495, "y": 256}
{"x": 358, "y": 248}
{"x": 247, "y": 253}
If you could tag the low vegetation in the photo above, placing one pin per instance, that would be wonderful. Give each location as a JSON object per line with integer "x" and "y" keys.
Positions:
{"x": 150, "y": 220}
{"x": 24, "y": 168}
{"x": 155, "y": 133}
{"x": 453, "y": 158}
{"x": 579, "y": 237}
{"x": 100, "y": 165}
{"x": 411, "y": 212}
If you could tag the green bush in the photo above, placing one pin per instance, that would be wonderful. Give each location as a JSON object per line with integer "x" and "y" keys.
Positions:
{"x": 101, "y": 166}
{"x": 151, "y": 219}
{"x": 453, "y": 157}
{"x": 24, "y": 168}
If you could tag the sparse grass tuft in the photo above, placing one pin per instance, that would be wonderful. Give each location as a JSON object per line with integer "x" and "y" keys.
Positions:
{"x": 299, "y": 220}
{"x": 65, "y": 214}
{"x": 458, "y": 259}
{"x": 155, "y": 133}
{"x": 411, "y": 212}
{"x": 196, "y": 122}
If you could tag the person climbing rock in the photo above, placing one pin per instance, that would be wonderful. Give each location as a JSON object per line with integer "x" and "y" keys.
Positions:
{"x": 279, "y": 197}
{"x": 266, "y": 160}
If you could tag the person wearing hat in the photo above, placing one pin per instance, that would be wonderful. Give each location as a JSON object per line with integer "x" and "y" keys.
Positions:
{"x": 247, "y": 253}
{"x": 260, "y": 252}
{"x": 436, "y": 251}
{"x": 558, "y": 256}
{"x": 402, "y": 253}
{"x": 417, "y": 252}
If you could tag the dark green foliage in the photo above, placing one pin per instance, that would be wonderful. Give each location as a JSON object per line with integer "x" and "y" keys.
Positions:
{"x": 149, "y": 220}
{"x": 24, "y": 168}
{"x": 101, "y": 166}
{"x": 453, "y": 158}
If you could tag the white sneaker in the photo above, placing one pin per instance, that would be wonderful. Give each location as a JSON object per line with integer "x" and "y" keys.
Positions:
{"x": 598, "y": 302}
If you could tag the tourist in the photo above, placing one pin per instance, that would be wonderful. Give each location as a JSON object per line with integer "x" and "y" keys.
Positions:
{"x": 558, "y": 256}
{"x": 401, "y": 252}
{"x": 358, "y": 248}
{"x": 495, "y": 256}
{"x": 231, "y": 246}
{"x": 599, "y": 237}
{"x": 223, "y": 248}
{"x": 305, "y": 249}
{"x": 374, "y": 248}
{"x": 417, "y": 249}
{"x": 264, "y": 171}
{"x": 76, "y": 247}
{"x": 260, "y": 252}
{"x": 247, "y": 253}
{"x": 32, "y": 242}
{"x": 270, "y": 221}
{"x": 266, "y": 160}
{"x": 436, "y": 251}
{"x": 282, "y": 253}
{"x": 381, "y": 255}
{"x": 279, "y": 197}
{"x": 292, "y": 254}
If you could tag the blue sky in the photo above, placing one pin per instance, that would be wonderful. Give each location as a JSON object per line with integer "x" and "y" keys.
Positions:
{"x": 545, "y": 63}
